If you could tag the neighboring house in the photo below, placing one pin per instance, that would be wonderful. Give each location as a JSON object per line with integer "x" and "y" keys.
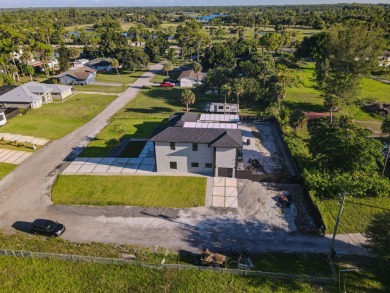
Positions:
{"x": 79, "y": 63}
{"x": 194, "y": 146}
{"x": 189, "y": 78}
{"x": 59, "y": 91}
{"x": 100, "y": 64}
{"x": 223, "y": 108}
{"x": 3, "y": 119}
{"x": 31, "y": 94}
{"x": 84, "y": 75}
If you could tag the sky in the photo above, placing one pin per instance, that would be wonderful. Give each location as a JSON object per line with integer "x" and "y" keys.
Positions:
{"x": 108, "y": 3}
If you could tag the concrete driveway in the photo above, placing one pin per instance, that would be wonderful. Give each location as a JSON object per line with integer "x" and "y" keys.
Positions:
{"x": 25, "y": 196}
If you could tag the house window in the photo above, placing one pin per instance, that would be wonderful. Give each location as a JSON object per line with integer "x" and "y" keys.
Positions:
{"x": 173, "y": 165}
{"x": 220, "y": 107}
{"x": 208, "y": 165}
{"x": 194, "y": 165}
{"x": 195, "y": 147}
{"x": 172, "y": 144}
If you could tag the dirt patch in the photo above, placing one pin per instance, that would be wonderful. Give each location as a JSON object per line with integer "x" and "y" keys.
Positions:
{"x": 258, "y": 201}
{"x": 265, "y": 152}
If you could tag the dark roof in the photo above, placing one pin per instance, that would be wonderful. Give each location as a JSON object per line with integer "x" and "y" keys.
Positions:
{"x": 100, "y": 62}
{"x": 178, "y": 119}
{"x": 81, "y": 73}
{"x": 223, "y": 138}
{"x": 6, "y": 88}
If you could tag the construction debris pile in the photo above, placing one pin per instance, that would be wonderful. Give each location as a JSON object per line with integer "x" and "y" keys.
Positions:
{"x": 212, "y": 259}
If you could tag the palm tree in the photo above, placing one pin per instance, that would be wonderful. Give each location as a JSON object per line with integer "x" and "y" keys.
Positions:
{"x": 168, "y": 66}
{"x": 238, "y": 90}
{"x": 115, "y": 64}
{"x": 331, "y": 103}
{"x": 226, "y": 89}
{"x": 187, "y": 98}
{"x": 386, "y": 130}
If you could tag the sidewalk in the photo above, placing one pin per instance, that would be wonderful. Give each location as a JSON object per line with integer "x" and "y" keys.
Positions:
{"x": 23, "y": 138}
{"x": 13, "y": 157}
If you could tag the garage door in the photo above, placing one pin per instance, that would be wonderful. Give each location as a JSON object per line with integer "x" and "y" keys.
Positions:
{"x": 225, "y": 172}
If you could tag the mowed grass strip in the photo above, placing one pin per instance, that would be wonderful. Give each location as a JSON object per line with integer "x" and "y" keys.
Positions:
{"x": 101, "y": 88}
{"x": 126, "y": 76}
{"x": 357, "y": 213}
{"x": 5, "y": 169}
{"x": 55, "y": 120}
{"x": 46, "y": 275}
{"x": 147, "y": 191}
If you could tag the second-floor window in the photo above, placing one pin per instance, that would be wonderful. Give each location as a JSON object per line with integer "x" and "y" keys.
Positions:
{"x": 173, "y": 146}
{"x": 195, "y": 147}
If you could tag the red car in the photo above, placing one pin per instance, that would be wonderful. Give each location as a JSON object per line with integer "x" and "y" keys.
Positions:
{"x": 167, "y": 84}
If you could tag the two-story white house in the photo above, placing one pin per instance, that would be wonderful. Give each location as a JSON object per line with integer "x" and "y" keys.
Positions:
{"x": 196, "y": 147}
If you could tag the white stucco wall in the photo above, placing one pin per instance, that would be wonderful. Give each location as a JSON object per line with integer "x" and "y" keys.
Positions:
{"x": 185, "y": 82}
{"x": 225, "y": 158}
{"x": 3, "y": 119}
{"x": 183, "y": 155}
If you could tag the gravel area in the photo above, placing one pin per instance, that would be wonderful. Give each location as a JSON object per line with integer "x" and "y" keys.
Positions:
{"x": 267, "y": 147}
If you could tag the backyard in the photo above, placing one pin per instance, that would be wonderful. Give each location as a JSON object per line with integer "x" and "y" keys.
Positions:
{"x": 55, "y": 120}
{"x": 149, "y": 191}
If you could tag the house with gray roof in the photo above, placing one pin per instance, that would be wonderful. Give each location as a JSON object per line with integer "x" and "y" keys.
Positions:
{"x": 194, "y": 146}
{"x": 77, "y": 75}
{"x": 31, "y": 95}
{"x": 100, "y": 64}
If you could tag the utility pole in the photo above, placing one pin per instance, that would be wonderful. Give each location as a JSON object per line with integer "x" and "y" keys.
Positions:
{"x": 342, "y": 199}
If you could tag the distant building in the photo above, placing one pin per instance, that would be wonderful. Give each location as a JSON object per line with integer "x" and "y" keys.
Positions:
{"x": 79, "y": 63}
{"x": 223, "y": 108}
{"x": 77, "y": 76}
{"x": 189, "y": 78}
{"x": 100, "y": 64}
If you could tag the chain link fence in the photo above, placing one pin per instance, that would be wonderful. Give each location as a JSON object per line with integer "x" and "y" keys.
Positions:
{"x": 117, "y": 261}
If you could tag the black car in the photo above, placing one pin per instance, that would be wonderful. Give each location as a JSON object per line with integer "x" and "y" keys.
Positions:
{"x": 47, "y": 227}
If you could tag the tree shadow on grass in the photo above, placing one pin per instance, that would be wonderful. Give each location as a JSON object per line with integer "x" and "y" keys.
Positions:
{"x": 304, "y": 106}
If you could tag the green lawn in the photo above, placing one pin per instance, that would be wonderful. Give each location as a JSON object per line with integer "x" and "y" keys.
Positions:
{"x": 5, "y": 169}
{"x": 101, "y": 88}
{"x": 357, "y": 213}
{"x": 42, "y": 275}
{"x": 120, "y": 128}
{"x": 159, "y": 102}
{"x": 55, "y": 120}
{"x": 151, "y": 191}
{"x": 127, "y": 76}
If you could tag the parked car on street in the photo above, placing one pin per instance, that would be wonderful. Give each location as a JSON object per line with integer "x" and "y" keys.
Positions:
{"x": 167, "y": 84}
{"x": 47, "y": 227}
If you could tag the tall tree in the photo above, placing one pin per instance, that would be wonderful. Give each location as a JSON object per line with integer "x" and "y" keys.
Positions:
{"x": 115, "y": 64}
{"x": 63, "y": 57}
{"x": 331, "y": 103}
{"x": 168, "y": 67}
{"x": 386, "y": 130}
{"x": 226, "y": 89}
{"x": 188, "y": 98}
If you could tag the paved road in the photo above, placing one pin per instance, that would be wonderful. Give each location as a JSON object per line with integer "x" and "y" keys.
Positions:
{"x": 24, "y": 196}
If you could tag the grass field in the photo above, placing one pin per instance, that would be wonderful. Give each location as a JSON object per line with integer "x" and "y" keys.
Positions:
{"x": 101, "y": 88}
{"x": 159, "y": 102}
{"x": 55, "y": 120}
{"x": 120, "y": 129}
{"x": 5, "y": 169}
{"x": 150, "y": 191}
{"x": 39, "y": 275}
{"x": 357, "y": 213}
{"x": 126, "y": 76}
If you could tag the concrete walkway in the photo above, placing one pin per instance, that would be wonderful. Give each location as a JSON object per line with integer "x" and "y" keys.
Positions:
{"x": 13, "y": 157}
{"x": 23, "y": 138}
{"x": 225, "y": 192}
